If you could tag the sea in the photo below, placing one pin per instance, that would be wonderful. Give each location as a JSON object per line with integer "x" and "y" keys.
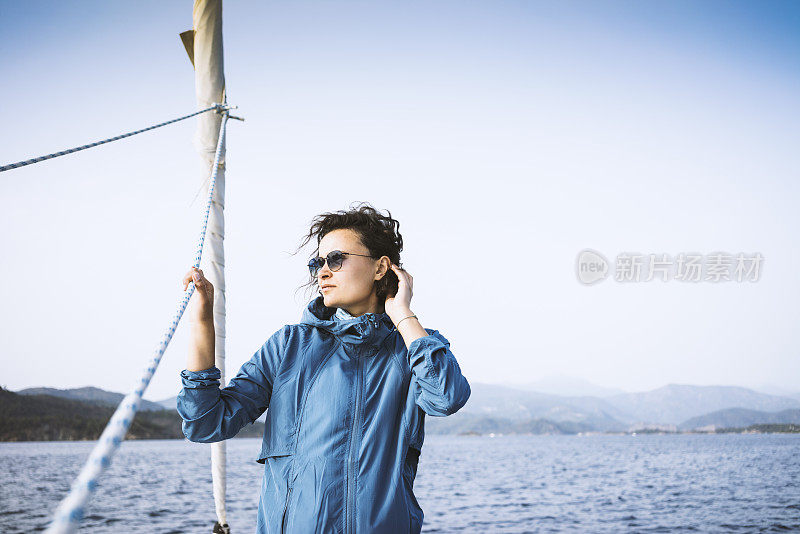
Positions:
{"x": 484, "y": 484}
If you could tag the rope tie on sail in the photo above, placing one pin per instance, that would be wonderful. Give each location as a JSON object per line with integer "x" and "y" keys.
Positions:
{"x": 71, "y": 510}
{"x": 219, "y": 108}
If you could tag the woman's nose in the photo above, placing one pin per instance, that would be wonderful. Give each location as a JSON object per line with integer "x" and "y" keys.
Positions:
{"x": 324, "y": 270}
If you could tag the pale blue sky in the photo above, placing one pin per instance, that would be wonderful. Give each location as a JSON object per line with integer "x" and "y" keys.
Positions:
{"x": 505, "y": 137}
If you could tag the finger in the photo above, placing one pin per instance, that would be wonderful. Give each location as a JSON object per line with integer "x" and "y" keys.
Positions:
{"x": 399, "y": 270}
{"x": 188, "y": 276}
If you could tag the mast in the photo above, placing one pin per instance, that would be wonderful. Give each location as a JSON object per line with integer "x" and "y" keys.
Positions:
{"x": 204, "y": 45}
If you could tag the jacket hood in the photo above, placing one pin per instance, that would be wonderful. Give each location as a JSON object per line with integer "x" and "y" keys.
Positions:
{"x": 370, "y": 328}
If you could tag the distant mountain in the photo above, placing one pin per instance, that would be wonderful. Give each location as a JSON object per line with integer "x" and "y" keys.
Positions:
{"x": 675, "y": 403}
{"x": 91, "y": 395}
{"x": 490, "y": 400}
{"x": 500, "y": 409}
{"x": 668, "y": 405}
{"x": 169, "y": 404}
{"x": 47, "y": 418}
{"x": 772, "y": 389}
{"x": 740, "y": 417}
{"x": 471, "y": 423}
{"x": 566, "y": 386}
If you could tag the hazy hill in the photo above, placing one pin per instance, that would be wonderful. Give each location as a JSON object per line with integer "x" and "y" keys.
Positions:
{"x": 91, "y": 395}
{"x": 772, "y": 389}
{"x": 669, "y": 405}
{"x": 675, "y": 403}
{"x": 47, "y": 418}
{"x": 566, "y": 386}
{"x": 464, "y": 422}
{"x": 741, "y": 417}
{"x": 491, "y": 408}
{"x": 169, "y": 404}
{"x": 518, "y": 406}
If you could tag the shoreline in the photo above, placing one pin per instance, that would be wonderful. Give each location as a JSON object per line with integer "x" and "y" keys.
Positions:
{"x": 467, "y": 435}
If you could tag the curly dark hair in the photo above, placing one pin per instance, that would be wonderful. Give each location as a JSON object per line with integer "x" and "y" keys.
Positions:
{"x": 379, "y": 233}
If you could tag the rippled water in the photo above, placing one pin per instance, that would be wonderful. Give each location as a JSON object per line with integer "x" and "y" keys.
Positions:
{"x": 644, "y": 483}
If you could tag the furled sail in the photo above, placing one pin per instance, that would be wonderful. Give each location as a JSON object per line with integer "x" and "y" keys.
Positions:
{"x": 204, "y": 46}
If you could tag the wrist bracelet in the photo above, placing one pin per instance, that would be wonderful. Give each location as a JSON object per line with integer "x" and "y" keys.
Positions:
{"x": 403, "y": 319}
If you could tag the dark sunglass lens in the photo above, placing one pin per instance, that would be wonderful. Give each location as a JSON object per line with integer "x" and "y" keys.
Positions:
{"x": 315, "y": 265}
{"x": 335, "y": 260}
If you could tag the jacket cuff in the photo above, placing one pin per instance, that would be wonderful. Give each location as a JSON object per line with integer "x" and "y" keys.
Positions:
{"x": 207, "y": 378}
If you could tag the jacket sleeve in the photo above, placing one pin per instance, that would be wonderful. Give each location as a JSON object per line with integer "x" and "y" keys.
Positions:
{"x": 212, "y": 414}
{"x": 443, "y": 390}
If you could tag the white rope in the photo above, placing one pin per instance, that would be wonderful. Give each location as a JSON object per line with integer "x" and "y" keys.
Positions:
{"x": 72, "y": 508}
{"x": 104, "y": 141}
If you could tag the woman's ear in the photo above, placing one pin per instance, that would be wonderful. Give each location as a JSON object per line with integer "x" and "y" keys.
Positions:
{"x": 384, "y": 268}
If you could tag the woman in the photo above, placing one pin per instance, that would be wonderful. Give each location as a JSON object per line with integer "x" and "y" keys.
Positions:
{"x": 347, "y": 388}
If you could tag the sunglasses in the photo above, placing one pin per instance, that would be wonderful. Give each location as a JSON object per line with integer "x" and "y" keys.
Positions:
{"x": 335, "y": 258}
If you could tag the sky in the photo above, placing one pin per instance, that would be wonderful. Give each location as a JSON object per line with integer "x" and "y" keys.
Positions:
{"x": 505, "y": 136}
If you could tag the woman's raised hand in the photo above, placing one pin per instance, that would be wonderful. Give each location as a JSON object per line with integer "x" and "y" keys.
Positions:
{"x": 204, "y": 307}
{"x": 399, "y": 305}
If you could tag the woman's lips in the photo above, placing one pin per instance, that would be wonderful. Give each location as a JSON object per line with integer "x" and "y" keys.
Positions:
{"x": 327, "y": 287}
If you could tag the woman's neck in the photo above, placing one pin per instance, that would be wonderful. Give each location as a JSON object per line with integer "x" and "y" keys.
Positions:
{"x": 371, "y": 306}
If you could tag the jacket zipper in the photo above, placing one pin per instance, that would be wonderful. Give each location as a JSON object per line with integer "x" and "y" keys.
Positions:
{"x": 285, "y": 510}
{"x": 350, "y": 497}
{"x": 349, "y": 503}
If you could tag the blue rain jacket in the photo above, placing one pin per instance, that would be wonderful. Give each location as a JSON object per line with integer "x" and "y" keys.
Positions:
{"x": 345, "y": 425}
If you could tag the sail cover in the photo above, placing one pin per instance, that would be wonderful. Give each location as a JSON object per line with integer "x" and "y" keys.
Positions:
{"x": 205, "y": 51}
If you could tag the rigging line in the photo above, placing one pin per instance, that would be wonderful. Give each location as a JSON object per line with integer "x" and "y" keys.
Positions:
{"x": 71, "y": 510}
{"x": 198, "y": 192}
{"x": 90, "y": 145}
